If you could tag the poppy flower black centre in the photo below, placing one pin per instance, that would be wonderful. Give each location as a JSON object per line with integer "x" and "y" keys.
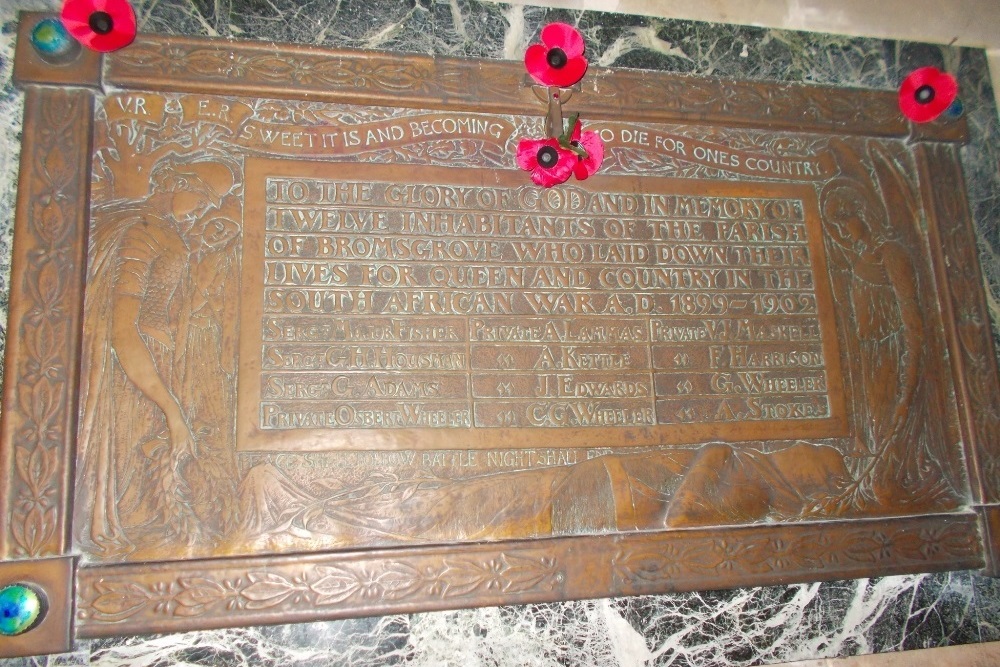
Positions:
{"x": 556, "y": 58}
{"x": 924, "y": 95}
{"x": 547, "y": 157}
{"x": 101, "y": 23}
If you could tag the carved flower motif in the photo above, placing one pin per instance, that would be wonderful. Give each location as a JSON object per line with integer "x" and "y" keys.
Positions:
{"x": 926, "y": 94}
{"x": 728, "y": 554}
{"x": 101, "y": 25}
{"x": 783, "y": 554}
{"x": 558, "y": 60}
{"x": 495, "y": 574}
{"x": 883, "y": 546}
{"x": 238, "y": 66}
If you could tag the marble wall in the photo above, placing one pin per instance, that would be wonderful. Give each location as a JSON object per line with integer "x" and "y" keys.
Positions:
{"x": 739, "y": 627}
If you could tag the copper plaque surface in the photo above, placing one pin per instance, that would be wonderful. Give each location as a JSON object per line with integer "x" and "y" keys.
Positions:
{"x": 338, "y": 356}
{"x": 470, "y": 309}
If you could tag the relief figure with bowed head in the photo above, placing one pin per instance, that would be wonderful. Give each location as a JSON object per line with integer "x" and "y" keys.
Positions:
{"x": 901, "y": 439}
{"x": 902, "y": 451}
{"x": 157, "y": 340}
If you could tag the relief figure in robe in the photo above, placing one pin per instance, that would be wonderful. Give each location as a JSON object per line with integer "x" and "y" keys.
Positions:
{"x": 899, "y": 454}
{"x": 159, "y": 360}
{"x": 894, "y": 400}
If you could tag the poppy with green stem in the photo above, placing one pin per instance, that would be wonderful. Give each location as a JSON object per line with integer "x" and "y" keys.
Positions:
{"x": 552, "y": 161}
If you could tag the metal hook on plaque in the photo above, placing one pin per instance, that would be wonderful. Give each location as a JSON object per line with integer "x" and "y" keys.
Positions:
{"x": 554, "y": 97}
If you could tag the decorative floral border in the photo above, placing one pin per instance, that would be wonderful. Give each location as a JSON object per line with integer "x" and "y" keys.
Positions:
{"x": 246, "y": 591}
{"x": 40, "y": 392}
{"x": 121, "y": 599}
{"x": 977, "y": 378}
{"x": 202, "y": 65}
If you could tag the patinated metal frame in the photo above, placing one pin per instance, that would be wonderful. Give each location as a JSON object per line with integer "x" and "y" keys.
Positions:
{"x": 37, "y": 437}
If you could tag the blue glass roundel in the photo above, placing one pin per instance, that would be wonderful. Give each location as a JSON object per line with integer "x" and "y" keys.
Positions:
{"x": 20, "y": 608}
{"x": 51, "y": 39}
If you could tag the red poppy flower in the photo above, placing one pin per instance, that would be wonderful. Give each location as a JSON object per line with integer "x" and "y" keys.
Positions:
{"x": 586, "y": 167}
{"x": 548, "y": 162}
{"x": 558, "y": 60}
{"x": 101, "y": 25}
{"x": 926, "y": 93}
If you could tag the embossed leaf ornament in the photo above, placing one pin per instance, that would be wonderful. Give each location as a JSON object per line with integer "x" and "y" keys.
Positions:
{"x": 119, "y": 600}
{"x": 33, "y": 529}
{"x": 386, "y": 582}
{"x": 268, "y": 589}
{"x": 197, "y": 595}
{"x": 335, "y": 586}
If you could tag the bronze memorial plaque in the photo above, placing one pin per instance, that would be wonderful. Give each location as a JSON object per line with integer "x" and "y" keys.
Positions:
{"x": 293, "y": 337}
{"x": 469, "y": 309}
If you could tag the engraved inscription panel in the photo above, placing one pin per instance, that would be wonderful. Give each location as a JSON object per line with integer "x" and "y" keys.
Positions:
{"x": 394, "y": 307}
